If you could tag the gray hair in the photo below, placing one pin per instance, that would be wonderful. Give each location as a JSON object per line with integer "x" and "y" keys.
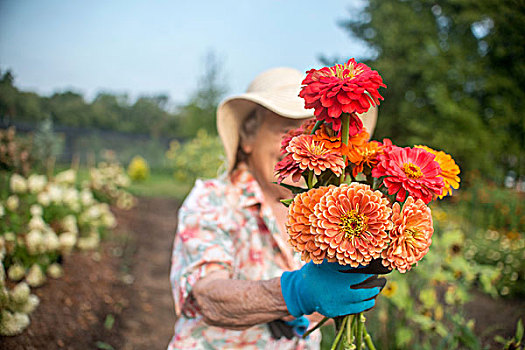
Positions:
{"x": 247, "y": 132}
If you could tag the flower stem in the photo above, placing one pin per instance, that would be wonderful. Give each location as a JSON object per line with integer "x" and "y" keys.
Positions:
{"x": 339, "y": 334}
{"x": 358, "y": 336}
{"x": 368, "y": 339}
{"x": 310, "y": 179}
{"x": 344, "y": 139}
{"x": 319, "y": 324}
{"x": 317, "y": 126}
{"x": 349, "y": 335}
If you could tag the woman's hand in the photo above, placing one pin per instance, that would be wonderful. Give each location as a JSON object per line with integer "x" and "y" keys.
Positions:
{"x": 329, "y": 289}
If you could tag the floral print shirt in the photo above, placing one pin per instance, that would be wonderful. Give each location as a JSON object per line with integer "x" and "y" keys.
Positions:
{"x": 224, "y": 224}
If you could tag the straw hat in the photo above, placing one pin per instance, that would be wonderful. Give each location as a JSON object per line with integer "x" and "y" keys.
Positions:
{"x": 276, "y": 89}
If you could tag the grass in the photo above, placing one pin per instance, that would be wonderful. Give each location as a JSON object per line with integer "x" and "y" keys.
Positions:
{"x": 160, "y": 184}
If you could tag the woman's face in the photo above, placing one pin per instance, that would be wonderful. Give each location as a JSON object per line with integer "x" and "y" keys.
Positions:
{"x": 264, "y": 151}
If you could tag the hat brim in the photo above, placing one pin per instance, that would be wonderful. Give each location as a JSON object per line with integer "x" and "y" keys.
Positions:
{"x": 232, "y": 112}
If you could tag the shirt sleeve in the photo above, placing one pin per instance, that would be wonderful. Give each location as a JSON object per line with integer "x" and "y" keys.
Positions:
{"x": 203, "y": 243}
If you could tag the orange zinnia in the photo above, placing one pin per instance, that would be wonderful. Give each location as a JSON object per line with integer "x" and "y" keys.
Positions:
{"x": 333, "y": 141}
{"x": 411, "y": 236}
{"x": 350, "y": 224}
{"x": 299, "y": 226}
{"x": 365, "y": 155}
{"x": 449, "y": 170}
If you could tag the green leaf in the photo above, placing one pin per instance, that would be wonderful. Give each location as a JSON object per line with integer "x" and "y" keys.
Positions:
{"x": 109, "y": 322}
{"x": 287, "y": 202}
{"x": 294, "y": 189}
{"x": 519, "y": 331}
{"x": 104, "y": 346}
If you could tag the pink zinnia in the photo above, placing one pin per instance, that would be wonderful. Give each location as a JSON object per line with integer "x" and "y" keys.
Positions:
{"x": 344, "y": 88}
{"x": 288, "y": 167}
{"x": 409, "y": 170}
{"x": 411, "y": 236}
{"x": 304, "y": 153}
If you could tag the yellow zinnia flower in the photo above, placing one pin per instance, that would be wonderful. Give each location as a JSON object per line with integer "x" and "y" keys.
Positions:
{"x": 449, "y": 170}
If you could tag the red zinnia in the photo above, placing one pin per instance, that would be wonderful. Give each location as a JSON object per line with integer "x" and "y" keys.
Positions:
{"x": 344, "y": 88}
{"x": 411, "y": 170}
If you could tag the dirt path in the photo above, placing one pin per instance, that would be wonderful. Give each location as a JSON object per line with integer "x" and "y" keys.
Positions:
{"x": 148, "y": 321}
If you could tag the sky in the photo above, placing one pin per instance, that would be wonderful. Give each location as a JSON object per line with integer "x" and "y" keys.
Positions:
{"x": 150, "y": 47}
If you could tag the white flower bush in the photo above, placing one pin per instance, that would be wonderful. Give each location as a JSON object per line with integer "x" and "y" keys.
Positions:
{"x": 41, "y": 222}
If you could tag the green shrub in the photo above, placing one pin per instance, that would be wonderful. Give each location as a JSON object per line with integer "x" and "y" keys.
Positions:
{"x": 202, "y": 157}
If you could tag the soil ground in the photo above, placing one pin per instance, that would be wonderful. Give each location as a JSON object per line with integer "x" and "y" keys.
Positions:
{"x": 119, "y": 296}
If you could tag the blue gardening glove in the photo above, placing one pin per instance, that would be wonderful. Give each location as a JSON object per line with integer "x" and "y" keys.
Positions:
{"x": 288, "y": 329}
{"x": 299, "y": 325}
{"x": 330, "y": 289}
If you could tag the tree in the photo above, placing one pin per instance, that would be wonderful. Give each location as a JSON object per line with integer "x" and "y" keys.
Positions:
{"x": 455, "y": 73}
{"x": 200, "y": 111}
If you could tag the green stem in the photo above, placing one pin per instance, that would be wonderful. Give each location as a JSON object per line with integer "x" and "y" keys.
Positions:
{"x": 358, "y": 336}
{"x": 344, "y": 139}
{"x": 317, "y": 126}
{"x": 339, "y": 334}
{"x": 349, "y": 336}
{"x": 368, "y": 340}
{"x": 310, "y": 179}
{"x": 323, "y": 321}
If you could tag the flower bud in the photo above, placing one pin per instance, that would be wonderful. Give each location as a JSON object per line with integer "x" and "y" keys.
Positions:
{"x": 51, "y": 242}
{"x": 12, "y": 203}
{"x": 34, "y": 242}
{"x": 55, "y": 270}
{"x": 12, "y": 323}
{"x": 16, "y": 272}
{"x": 18, "y": 184}
{"x": 36, "y": 210}
{"x": 66, "y": 177}
{"x": 90, "y": 242}
{"x": 69, "y": 223}
{"x": 44, "y": 199}
{"x": 30, "y": 305}
{"x": 35, "y": 277}
{"x": 36, "y": 223}
{"x": 20, "y": 293}
{"x": 36, "y": 183}
{"x": 67, "y": 242}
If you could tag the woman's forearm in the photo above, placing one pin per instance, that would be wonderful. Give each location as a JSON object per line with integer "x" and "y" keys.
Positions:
{"x": 238, "y": 304}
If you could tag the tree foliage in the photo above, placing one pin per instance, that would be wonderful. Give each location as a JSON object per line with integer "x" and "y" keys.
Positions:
{"x": 455, "y": 72}
{"x": 109, "y": 111}
{"x": 200, "y": 111}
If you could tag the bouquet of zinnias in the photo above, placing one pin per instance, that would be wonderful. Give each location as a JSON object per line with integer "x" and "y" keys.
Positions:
{"x": 365, "y": 200}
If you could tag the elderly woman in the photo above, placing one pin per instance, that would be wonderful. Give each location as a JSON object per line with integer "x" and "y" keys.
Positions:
{"x": 236, "y": 281}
